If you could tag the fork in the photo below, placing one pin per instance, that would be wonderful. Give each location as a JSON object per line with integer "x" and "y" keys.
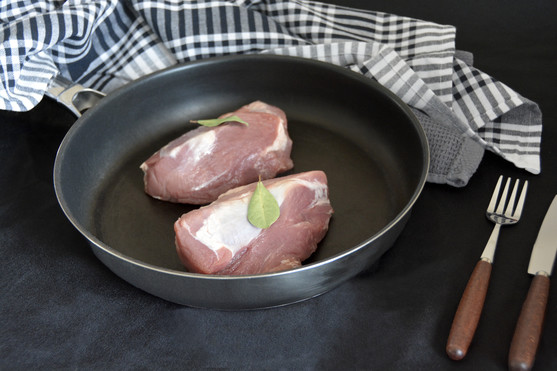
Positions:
{"x": 471, "y": 304}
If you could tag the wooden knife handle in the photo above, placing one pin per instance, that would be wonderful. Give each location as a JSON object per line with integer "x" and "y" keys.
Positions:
{"x": 469, "y": 311}
{"x": 529, "y": 326}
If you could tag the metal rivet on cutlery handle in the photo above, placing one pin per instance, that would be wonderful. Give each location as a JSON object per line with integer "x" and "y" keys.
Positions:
{"x": 471, "y": 304}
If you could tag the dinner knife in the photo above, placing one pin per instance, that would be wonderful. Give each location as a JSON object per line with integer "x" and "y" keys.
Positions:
{"x": 529, "y": 326}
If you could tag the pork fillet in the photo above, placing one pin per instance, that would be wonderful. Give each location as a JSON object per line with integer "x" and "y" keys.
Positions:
{"x": 206, "y": 162}
{"x": 219, "y": 239}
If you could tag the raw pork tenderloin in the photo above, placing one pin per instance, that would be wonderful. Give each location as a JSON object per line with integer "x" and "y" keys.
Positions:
{"x": 219, "y": 239}
{"x": 205, "y": 162}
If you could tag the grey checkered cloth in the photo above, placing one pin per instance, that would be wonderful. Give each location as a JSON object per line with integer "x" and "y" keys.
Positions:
{"x": 105, "y": 44}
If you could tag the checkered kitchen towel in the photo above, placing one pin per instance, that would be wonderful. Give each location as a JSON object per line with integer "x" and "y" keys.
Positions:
{"x": 104, "y": 44}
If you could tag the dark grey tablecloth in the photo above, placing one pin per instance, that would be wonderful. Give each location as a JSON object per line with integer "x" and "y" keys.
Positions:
{"x": 60, "y": 308}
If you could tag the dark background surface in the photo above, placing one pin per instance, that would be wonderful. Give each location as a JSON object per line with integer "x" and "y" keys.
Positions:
{"x": 61, "y": 308}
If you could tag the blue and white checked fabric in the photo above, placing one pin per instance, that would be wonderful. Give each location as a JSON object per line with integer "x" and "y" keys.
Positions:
{"x": 105, "y": 44}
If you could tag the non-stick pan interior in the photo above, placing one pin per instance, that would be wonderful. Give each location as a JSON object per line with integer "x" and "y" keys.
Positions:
{"x": 368, "y": 144}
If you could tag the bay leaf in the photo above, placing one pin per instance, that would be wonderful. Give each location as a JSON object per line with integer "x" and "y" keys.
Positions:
{"x": 263, "y": 209}
{"x": 217, "y": 122}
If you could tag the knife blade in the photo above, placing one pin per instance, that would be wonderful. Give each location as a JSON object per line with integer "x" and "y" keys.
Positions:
{"x": 530, "y": 322}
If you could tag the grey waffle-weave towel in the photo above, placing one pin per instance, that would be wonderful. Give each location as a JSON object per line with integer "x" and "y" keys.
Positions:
{"x": 104, "y": 44}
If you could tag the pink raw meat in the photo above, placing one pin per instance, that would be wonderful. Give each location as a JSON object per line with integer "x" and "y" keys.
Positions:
{"x": 219, "y": 239}
{"x": 206, "y": 162}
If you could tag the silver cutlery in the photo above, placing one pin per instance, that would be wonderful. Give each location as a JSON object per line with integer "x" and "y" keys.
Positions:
{"x": 471, "y": 304}
{"x": 529, "y": 326}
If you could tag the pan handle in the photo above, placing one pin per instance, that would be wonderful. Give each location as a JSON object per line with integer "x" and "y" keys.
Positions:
{"x": 74, "y": 96}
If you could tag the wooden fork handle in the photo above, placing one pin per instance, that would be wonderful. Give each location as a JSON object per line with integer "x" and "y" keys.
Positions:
{"x": 529, "y": 326}
{"x": 469, "y": 311}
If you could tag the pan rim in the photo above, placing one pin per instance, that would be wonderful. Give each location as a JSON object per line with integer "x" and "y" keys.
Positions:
{"x": 246, "y": 58}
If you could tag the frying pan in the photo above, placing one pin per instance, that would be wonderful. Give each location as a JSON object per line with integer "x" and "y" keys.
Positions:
{"x": 368, "y": 142}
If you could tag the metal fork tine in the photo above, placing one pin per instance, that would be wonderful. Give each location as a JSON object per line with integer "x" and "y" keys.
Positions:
{"x": 510, "y": 204}
{"x": 493, "y": 202}
{"x": 520, "y": 205}
{"x": 501, "y": 205}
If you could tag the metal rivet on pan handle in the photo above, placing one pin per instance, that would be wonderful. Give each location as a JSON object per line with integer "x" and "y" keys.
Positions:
{"x": 74, "y": 96}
